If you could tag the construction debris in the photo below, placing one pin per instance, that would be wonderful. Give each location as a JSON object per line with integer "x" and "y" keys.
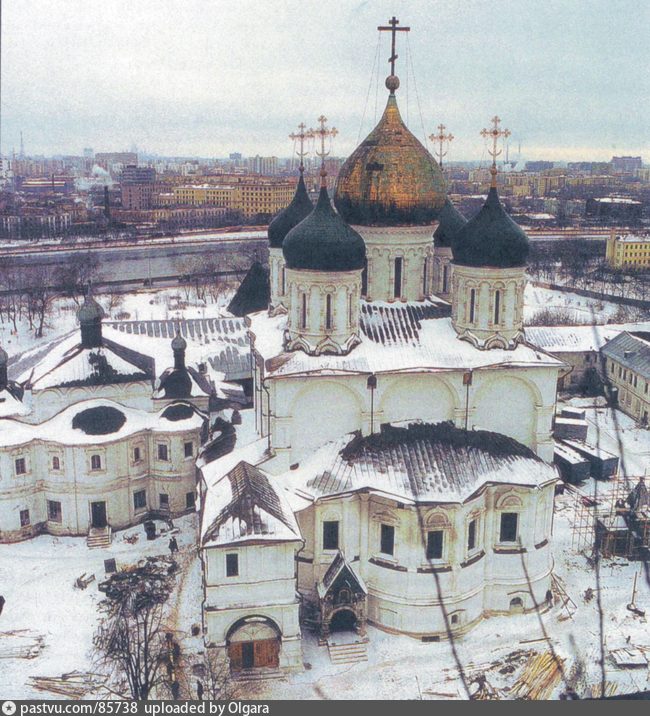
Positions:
{"x": 629, "y": 658}
{"x": 539, "y": 677}
{"x": 83, "y": 581}
{"x": 20, "y": 644}
{"x": 74, "y": 685}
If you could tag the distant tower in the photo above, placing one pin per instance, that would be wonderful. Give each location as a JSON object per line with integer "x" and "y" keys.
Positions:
{"x": 489, "y": 270}
{"x": 22, "y": 146}
{"x": 324, "y": 260}
{"x": 299, "y": 208}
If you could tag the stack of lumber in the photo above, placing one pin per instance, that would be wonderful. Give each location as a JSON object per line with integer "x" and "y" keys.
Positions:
{"x": 20, "y": 644}
{"x": 74, "y": 685}
{"x": 538, "y": 678}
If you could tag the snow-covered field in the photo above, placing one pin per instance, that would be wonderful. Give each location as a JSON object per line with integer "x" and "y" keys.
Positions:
{"x": 37, "y": 579}
{"x": 581, "y": 309}
{"x": 153, "y": 304}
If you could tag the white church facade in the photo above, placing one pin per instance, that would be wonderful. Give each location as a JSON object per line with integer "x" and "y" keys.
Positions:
{"x": 401, "y": 474}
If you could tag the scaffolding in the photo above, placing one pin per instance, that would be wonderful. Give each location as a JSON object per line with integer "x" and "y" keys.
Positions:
{"x": 606, "y": 521}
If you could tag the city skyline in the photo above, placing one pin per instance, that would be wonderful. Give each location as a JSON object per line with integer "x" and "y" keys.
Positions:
{"x": 206, "y": 79}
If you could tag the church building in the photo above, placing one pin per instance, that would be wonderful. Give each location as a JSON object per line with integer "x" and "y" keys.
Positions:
{"x": 402, "y": 474}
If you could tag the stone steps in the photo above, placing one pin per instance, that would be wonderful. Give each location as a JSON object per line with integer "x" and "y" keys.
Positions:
{"x": 348, "y": 653}
{"x": 99, "y": 538}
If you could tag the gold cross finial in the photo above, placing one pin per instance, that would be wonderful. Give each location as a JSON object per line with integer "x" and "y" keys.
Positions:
{"x": 323, "y": 133}
{"x": 441, "y": 138}
{"x": 300, "y": 137}
{"x": 495, "y": 133}
{"x": 393, "y": 29}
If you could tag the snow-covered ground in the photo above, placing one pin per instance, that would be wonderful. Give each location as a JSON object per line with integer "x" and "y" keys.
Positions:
{"x": 153, "y": 304}
{"x": 581, "y": 309}
{"x": 37, "y": 579}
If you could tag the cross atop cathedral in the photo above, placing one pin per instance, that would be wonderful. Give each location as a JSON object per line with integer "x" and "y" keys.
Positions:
{"x": 496, "y": 134}
{"x": 323, "y": 133}
{"x": 441, "y": 138}
{"x": 393, "y": 29}
{"x": 300, "y": 137}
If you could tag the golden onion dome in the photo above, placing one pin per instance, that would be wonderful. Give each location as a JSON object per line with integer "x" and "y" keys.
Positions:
{"x": 390, "y": 178}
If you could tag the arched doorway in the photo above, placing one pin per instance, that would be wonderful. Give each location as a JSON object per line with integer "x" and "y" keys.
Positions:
{"x": 253, "y": 642}
{"x": 343, "y": 620}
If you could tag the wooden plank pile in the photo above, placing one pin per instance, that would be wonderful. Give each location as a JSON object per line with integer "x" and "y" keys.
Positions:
{"x": 74, "y": 685}
{"x": 538, "y": 678}
{"x": 20, "y": 644}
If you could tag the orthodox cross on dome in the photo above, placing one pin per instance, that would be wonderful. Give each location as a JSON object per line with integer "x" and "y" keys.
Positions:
{"x": 393, "y": 29}
{"x": 496, "y": 134}
{"x": 323, "y": 133}
{"x": 300, "y": 137}
{"x": 441, "y": 138}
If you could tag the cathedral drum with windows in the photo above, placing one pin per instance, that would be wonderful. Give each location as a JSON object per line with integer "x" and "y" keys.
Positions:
{"x": 403, "y": 453}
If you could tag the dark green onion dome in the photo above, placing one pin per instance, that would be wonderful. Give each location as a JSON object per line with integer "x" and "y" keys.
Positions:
{"x": 491, "y": 238}
{"x": 451, "y": 222}
{"x": 324, "y": 242}
{"x": 90, "y": 311}
{"x": 390, "y": 179}
{"x": 299, "y": 209}
{"x": 179, "y": 343}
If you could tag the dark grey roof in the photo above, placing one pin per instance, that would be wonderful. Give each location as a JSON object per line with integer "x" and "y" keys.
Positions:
{"x": 631, "y": 350}
{"x": 254, "y": 292}
{"x": 451, "y": 222}
{"x": 324, "y": 242}
{"x": 177, "y": 383}
{"x": 491, "y": 238}
{"x": 341, "y": 570}
{"x": 400, "y": 323}
{"x": 423, "y": 463}
{"x": 225, "y": 340}
{"x": 102, "y": 420}
{"x": 299, "y": 208}
{"x": 251, "y": 507}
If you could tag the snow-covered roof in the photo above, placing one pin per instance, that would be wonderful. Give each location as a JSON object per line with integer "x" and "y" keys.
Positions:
{"x": 434, "y": 345}
{"x": 577, "y": 339}
{"x": 11, "y": 403}
{"x": 221, "y": 343}
{"x": 75, "y": 424}
{"x": 184, "y": 382}
{"x": 70, "y": 363}
{"x": 247, "y": 506}
{"x": 631, "y": 350}
{"x": 421, "y": 463}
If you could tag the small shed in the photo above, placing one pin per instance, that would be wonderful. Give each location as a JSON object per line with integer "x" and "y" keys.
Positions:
{"x": 612, "y": 536}
{"x": 573, "y": 466}
{"x": 603, "y": 464}
{"x": 570, "y": 428}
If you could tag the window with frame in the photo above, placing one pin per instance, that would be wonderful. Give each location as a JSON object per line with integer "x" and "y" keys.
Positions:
{"x": 232, "y": 565}
{"x": 397, "y": 283}
{"x": 163, "y": 499}
{"x": 140, "y": 500}
{"x": 445, "y": 278}
{"x": 330, "y": 534}
{"x": 497, "y": 306}
{"x": 435, "y": 544}
{"x": 190, "y": 500}
{"x": 54, "y": 511}
{"x": 509, "y": 526}
{"x": 24, "y": 518}
{"x": 303, "y": 311}
{"x": 188, "y": 449}
{"x": 163, "y": 452}
{"x": 95, "y": 462}
{"x": 472, "y": 304}
{"x": 387, "y": 539}
{"x": 137, "y": 455}
{"x": 20, "y": 466}
{"x": 328, "y": 311}
{"x": 471, "y": 535}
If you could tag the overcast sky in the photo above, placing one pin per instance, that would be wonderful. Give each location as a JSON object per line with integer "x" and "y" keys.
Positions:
{"x": 570, "y": 78}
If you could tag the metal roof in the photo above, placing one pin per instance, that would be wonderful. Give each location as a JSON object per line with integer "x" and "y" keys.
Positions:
{"x": 421, "y": 463}
{"x": 631, "y": 350}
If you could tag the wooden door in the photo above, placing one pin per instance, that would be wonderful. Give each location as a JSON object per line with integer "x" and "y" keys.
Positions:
{"x": 235, "y": 655}
{"x": 266, "y": 653}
